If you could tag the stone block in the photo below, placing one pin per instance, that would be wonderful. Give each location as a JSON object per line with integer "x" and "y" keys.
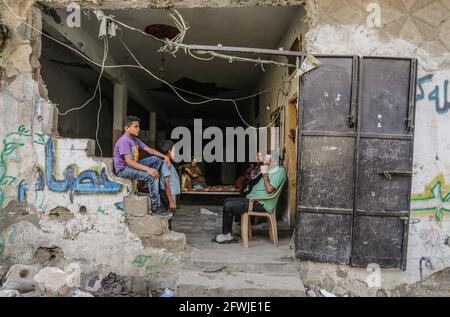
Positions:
{"x": 52, "y": 280}
{"x": 20, "y": 277}
{"x": 148, "y": 225}
{"x": 171, "y": 241}
{"x": 9, "y": 293}
{"x": 137, "y": 206}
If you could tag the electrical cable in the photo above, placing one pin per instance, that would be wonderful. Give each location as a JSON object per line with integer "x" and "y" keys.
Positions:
{"x": 105, "y": 57}
{"x": 141, "y": 67}
{"x": 193, "y": 102}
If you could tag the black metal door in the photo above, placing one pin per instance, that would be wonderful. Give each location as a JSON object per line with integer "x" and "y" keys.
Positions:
{"x": 327, "y": 139}
{"x": 355, "y": 161}
{"x": 384, "y": 162}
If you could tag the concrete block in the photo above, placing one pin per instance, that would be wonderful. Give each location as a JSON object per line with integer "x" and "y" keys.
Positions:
{"x": 239, "y": 284}
{"x": 171, "y": 241}
{"x": 20, "y": 277}
{"x": 148, "y": 225}
{"x": 9, "y": 293}
{"x": 52, "y": 280}
{"x": 137, "y": 206}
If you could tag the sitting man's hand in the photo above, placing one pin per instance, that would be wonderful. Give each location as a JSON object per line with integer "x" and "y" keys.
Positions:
{"x": 264, "y": 169}
{"x": 168, "y": 162}
{"x": 152, "y": 172}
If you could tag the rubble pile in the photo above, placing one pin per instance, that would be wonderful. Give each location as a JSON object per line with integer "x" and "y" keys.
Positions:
{"x": 36, "y": 281}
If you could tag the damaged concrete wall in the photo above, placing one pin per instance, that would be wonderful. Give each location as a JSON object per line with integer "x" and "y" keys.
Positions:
{"x": 98, "y": 236}
{"x": 71, "y": 82}
{"x": 68, "y": 198}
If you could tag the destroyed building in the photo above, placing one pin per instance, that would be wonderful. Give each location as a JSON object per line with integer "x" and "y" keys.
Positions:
{"x": 364, "y": 139}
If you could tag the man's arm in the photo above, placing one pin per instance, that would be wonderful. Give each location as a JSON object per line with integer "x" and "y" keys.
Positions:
{"x": 269, "y": 188}
{"x": 140, "y": 167}
{"x": 172, "y": 205}
{"x": 151, "y": 151}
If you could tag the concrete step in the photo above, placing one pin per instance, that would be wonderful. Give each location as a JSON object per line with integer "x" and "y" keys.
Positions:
{"x": 239, "y": 284}
{"x": 253, "y": 267}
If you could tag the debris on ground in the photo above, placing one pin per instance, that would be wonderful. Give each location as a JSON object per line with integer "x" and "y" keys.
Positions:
{"x": 114, "y": 286}
{"x": 94, "y": 284}
{"x": 327, "y": 294}
{"x": 207, "y": 212}
{"x": 167, "y": 293}
{"x": 20, "y": 277}
{"x": 311, "y": 293}
{"x": 9, "y": 293}
{"x": 52, "y": 280}
{"x": 79, "y": 293}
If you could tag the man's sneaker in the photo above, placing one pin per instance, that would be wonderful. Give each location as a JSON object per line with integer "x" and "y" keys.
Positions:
{"x": 161, "y": 212}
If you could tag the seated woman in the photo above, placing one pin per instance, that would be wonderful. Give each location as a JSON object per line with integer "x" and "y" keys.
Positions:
{"x": 192, "y": 177}
{"x": 239, "y": 183}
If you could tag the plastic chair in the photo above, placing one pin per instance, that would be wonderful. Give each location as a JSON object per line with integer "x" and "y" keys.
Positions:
{"x": 246, "y": 226}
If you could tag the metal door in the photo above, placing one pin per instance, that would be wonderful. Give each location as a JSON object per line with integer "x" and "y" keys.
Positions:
{"x": 384, "y": 162}
{"x": 327, "y": 137}
{"x": 355, "y": 150}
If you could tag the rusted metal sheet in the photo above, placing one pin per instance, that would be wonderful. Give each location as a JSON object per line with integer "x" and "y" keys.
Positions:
{"x": 326, "y": 162}
{"x": 355, "y": 163}
{"x": 384, "y": 162}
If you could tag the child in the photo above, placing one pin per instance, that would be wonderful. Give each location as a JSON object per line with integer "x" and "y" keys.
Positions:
{"x": 169, "y": 183}
{"x": 128, "y": 165}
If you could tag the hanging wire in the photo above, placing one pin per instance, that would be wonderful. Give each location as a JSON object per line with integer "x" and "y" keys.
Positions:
{"x": 207, "y": 99}
{"x": 170, "y": 43}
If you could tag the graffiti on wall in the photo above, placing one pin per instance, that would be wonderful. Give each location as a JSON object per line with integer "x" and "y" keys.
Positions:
{"x": 439, "y": 95}
{"x": 151, "y": 263}
{"x": 434, "y": 200}
{"x": 10, "y": 144}
{"x": 86, "y": 182}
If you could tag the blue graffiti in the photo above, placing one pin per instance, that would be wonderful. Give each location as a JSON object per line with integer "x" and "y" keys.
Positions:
{"x": 22, "y": 191}
{"x": 23, "y": 186}
{"x": 119, "y": 205}
{"x": 39, "y": 184}
{"x": 434, "y": 95}
{"x": 88, "y": 182}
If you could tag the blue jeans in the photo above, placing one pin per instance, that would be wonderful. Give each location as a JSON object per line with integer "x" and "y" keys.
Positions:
{"x": 152, "y": 182}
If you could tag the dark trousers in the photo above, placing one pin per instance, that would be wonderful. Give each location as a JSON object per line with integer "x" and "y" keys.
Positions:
{"x": 235, "y": 207}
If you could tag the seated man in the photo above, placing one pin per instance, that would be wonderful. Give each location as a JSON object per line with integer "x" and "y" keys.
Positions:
{"x": 169, "y": 184}
{"x": 192, "y": 177}
{"x": 128, "y": 165}
{"x": 273, "y": 178}
{"x": 255, "y": 177}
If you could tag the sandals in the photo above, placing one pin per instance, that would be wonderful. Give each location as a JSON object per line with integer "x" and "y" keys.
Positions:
{"x": 224, "y": 242}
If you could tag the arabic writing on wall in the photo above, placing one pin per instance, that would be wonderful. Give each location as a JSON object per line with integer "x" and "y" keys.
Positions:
{"x": 87, "y": 182}
{"x": 439, "y": 95}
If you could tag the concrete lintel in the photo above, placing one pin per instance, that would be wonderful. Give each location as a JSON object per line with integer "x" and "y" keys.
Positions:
{"x": 162, "y": 4}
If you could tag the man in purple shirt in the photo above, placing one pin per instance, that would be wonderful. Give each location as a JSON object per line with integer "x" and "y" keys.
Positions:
{"x": 128, "y": 165}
